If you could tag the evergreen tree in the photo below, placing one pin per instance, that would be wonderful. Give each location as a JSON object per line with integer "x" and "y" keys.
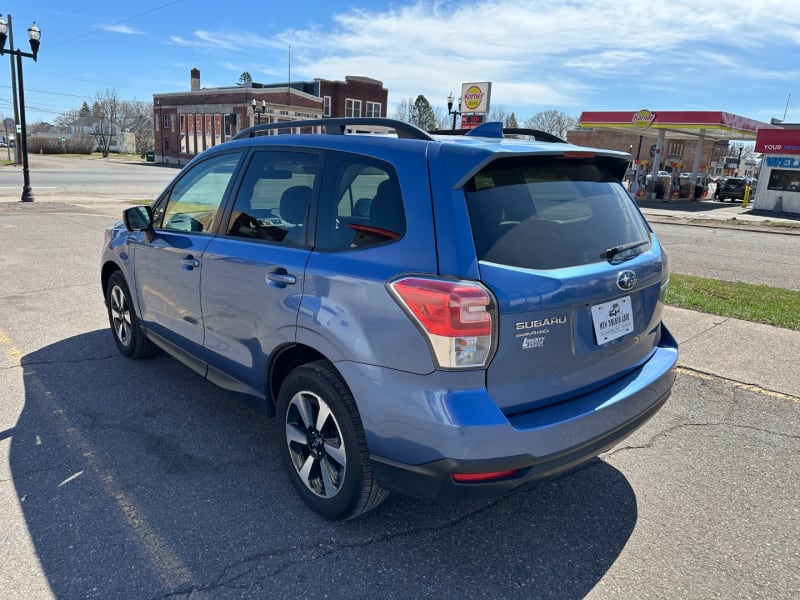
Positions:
{"x": 422, "y": 114}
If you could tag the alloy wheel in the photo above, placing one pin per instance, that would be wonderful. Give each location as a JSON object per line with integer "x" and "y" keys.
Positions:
{"x": 316, "y": 445}
{"x": 120, "y": 315}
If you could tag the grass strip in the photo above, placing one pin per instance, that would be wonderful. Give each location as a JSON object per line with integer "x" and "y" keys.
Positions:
{"x": 745, "y": 301}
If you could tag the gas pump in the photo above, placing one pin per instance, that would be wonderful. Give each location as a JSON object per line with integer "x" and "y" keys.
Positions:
{"x": 639, "y": 184}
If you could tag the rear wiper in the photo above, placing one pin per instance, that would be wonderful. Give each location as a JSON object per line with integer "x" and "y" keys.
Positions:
{"x": 612, "y": 252}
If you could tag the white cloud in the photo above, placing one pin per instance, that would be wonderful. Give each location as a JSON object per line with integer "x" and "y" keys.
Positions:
{"x": 122, "y": 29}
{"x": 581, "y": 54}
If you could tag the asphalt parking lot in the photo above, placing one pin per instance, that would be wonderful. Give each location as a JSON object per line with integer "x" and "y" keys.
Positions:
{"x": 140, "y": 480}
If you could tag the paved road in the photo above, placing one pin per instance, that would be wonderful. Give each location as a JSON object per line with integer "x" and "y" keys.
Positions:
{"x": 759, "y": 257}
{"x": 59, "y": 179}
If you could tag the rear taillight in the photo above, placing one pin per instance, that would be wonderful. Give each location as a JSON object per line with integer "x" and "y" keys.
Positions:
{"x": 459, "y": 318}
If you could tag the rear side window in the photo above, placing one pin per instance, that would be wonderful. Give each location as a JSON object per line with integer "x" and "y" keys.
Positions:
{"x": 550, "y": 212}
{"x": 364, "y": 206}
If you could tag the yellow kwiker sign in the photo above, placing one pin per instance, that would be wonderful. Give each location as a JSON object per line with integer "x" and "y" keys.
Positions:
{"x": 475, "y": 97}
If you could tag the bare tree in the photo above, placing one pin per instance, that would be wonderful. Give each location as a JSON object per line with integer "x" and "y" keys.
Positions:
{"x": 403, "y": 110}
{"x": 552, "y": 121}
{"x": 137, "y": 118}
{"x": 105, "y": 110}
{"x": 443, "y": 119}
{"x": 67, "y": 118}
{"x": 497, "y": 114}
{"x": 743, "y": 150}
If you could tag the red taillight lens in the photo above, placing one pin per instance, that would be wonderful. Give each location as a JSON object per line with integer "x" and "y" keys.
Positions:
{"x": 457, "y": 317}
{"x": 476, "y": 477}
{"x": 447, "y": 308}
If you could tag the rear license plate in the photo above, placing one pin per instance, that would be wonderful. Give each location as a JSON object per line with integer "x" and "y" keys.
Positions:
{"x": 612, "y": 319}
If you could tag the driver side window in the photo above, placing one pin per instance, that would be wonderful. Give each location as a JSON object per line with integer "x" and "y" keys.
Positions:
{"x": 273, "y": 201}
{"x": 195, "y": 199}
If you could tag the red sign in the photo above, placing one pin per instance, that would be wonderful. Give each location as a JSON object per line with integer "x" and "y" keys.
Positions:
{"x": 471, "y": 121}
{"x": 778, "y": 141}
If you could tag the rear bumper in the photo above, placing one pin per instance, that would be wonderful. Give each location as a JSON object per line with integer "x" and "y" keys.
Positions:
{"x": 434, "y": 480}
{"x": 421, "y": 432}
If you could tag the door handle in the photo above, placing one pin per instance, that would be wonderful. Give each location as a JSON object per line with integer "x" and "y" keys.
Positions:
{"x": 189, "y": 263}
{"x": 280, "y": 276}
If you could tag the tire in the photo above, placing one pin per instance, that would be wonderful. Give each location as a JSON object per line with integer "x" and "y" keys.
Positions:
{"x": 323, "y": 446}
{"x": 125, "y": 327}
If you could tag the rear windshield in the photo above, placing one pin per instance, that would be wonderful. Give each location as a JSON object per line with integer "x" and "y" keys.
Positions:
{"x": 549, "y": 212}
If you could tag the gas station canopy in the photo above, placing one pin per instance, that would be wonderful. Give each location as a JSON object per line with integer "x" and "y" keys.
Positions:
{"x": 714, "y": 125}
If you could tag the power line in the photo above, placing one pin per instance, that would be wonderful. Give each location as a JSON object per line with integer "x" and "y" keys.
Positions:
{"x": 105, "y": 27}
{"x": 27, "y": 89}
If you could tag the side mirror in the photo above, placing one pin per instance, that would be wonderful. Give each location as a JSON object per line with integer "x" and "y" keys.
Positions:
{"x": 139, "y": 218}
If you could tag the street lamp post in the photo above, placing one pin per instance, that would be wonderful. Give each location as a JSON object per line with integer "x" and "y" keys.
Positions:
{"x": 450, "y": 110}
{"x": 259, "y": 111}
{"x": 34, "y": 36}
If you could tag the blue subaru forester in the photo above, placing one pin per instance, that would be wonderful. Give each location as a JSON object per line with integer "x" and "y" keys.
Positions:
{"x": 447, "y": 316}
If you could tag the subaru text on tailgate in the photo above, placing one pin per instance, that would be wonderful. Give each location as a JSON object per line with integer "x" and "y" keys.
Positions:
{"x": 446, "y": 316}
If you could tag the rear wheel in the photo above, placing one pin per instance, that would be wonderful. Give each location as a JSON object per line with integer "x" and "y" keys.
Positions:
{"x": 128, "y": 334}
{"x": 324, "y": 448}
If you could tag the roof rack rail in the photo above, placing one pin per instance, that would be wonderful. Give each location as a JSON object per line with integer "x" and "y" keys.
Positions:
{"x": 494, "y": 129}
{"x": 339, "y": 126}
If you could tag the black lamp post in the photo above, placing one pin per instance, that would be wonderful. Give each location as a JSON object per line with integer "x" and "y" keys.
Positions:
{"x": 259, "y": 111}
{"x": 450, "y": 110}
{"x": 34, "y": 35}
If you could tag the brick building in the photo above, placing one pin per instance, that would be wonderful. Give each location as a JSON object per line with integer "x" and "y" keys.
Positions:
{"x": 186, "y": 123}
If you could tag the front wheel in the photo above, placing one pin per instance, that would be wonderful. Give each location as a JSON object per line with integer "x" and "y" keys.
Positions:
{"x": 324, "y": 448}
{"x": 128, "y": 335}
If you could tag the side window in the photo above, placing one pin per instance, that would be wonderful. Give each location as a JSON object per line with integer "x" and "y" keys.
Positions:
{"x": 272, "y": 203}
{"x": 366, "y": 206}
{"x": 195, "y": 199}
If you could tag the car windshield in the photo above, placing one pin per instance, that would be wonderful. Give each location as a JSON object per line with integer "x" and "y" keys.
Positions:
{"x": 548, "y": 213}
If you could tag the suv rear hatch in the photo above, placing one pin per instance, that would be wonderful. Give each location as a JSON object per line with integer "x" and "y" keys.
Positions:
{"x": 576, "y": 272}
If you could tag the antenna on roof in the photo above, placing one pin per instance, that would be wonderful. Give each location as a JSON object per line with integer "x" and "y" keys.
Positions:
{"x": 787, "y": 106}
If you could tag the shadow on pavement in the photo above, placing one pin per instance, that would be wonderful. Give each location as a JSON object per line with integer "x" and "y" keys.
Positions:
{"x": 140, "y": 479}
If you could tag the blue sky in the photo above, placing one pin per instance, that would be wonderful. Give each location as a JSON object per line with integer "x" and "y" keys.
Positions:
{"x": 738, "y": 56}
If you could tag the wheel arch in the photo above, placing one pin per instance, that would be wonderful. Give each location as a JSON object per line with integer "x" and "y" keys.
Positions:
{"x": 109, "y": 268}
{"x": 285, "y": 360}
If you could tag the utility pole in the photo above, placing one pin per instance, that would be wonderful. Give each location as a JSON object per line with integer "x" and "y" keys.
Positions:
{"x": 17, "y": 157}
